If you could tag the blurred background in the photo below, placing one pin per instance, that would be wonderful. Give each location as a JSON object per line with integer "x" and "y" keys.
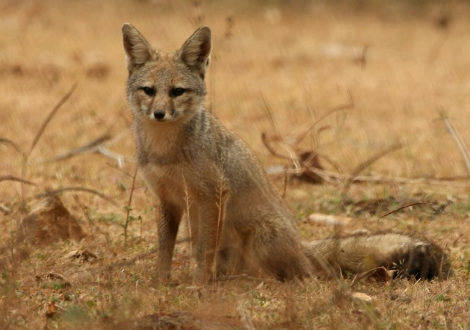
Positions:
{"x": 277, "y": 67}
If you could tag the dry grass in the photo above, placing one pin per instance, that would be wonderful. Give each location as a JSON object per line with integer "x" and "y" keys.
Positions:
{"x": 402, "y": 65}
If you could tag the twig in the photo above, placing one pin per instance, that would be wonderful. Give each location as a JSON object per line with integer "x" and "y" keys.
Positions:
{"x": 293, "y": 157}
{"x": 89, "y": 147}
{"x": 50, "y": 116}
{"x": 270, "y": 115}
{"x": 336, "y": 178}
{"x": 120, "y": 170}
{"x": 403, "y": 207}
{"x": 267, "y": 144}
{"x": 88, "y": 190}
{"x": 369, "y": 162}
{"x": 457, "y": 139}
{"x": 350, "y": 105}
{"x": 12, "y": 144}
{"x": 114, "y": 155}
{"x": 39, "y": 134}
{"x": 365, "y": 274}
{"x": 129, "y": 203}
{"x": 14, "y": 178}
{"x": 96, "y": 146}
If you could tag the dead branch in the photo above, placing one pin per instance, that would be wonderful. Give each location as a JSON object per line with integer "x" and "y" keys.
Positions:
{"x": 272, "y": 151}
{"x": 293, "y": 157}
{"x": 14, "y": 178}
{"x": 89, "y": 147}
{"x": 50, "y": 116}
{"x": 12, "y": 144}
{"x": 403, "y": 207}
{"x": 114, "y": 155}
{"x": 96, "y": 146}
{"x": 386, "y": 275}
{"x": 370, "y": 161}
{"x": 337, "y": 179}
{"x": 81, "y": 189}
{"x": 38, "y": 136}
{"x": 457, "y": 139}
{"x": 129, "y": 203}
{"x": 349, "y": 105}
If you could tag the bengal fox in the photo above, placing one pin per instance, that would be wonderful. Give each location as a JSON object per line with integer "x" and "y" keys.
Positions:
{"x": 198, "y": 168}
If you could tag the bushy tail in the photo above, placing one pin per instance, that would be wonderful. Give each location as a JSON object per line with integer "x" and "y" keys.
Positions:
{"x": 407, "y": 255}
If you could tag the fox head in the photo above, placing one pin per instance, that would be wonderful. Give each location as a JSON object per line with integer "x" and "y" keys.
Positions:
{"x": 166, "y": 87}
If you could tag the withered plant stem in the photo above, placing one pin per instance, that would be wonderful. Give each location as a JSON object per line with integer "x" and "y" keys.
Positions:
{"x": 457, "y": 139}
{"x": 369, "y": 162}
{"x": 129, "y": 203}
{"x": 87, "y": 190}
{"x": 38, "y": 136}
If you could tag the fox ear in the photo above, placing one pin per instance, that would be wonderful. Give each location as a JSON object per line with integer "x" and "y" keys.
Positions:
{"x": 138, "y": 50}
{"x": 196, "y": 51}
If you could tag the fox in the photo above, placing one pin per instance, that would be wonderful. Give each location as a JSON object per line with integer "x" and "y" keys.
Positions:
{"x": 201, "y": 171}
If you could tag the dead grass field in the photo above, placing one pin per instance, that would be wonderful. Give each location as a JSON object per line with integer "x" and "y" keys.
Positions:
{"x": 293, "y": 62}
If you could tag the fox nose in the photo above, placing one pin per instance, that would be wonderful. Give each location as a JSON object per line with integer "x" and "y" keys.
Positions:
{"x": 159, "y": 114}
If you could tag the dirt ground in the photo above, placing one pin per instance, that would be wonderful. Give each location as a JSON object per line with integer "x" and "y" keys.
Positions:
{"x": 391, "y": 75}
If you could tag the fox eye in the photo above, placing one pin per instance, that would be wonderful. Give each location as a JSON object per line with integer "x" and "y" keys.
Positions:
{"x": 177, "y": 92}
{"x": 149, "y": 91}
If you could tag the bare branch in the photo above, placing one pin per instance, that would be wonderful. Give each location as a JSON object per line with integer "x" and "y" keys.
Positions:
{"x": 349, "y": 105}
{"x": 403, "y": 207}
{"x": 457, "y": 139}
{"x": 270, "y": 148}
{"x": 81, "y": 189}
{"x": 89, "y": 147}
{"x": 370, "y": 161}
{"x": 12, "y": 144}
{"x": 129, "y": 203}
{"x": 50, "y": 116}
{"x": 96, "y": 146}
{"x": 337, "y": 179}
{"x": 14, "y": 178}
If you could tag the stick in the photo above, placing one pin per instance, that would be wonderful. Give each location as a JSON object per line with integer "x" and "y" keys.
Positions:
{"x": 88, "y": 190}
{"x": 13, "y": 144}
{"x": 323, "y": 116}
{"x": 457, "y": 139}
{"x": 89, "y": 147}
{"x": 14, "y": 178}
{"x": 403, "y": 207}
{"x": 336, "y": 178}
{"x": 370, "y": 161}
{"x": 129, "y": 203}
{"x": 96, "y": 146}
{"x": 50, "y": 116}
{"x": 39, "y": 134}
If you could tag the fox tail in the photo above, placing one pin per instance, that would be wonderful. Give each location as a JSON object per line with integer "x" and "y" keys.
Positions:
{"x": 407, "y": 256}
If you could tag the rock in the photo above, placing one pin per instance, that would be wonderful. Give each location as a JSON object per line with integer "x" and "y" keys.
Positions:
{"x": 49, "y": 222}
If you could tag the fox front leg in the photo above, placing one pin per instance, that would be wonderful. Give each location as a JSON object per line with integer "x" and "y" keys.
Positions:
{"x": 210, "y": 226}
{"x": 168, "y": 222}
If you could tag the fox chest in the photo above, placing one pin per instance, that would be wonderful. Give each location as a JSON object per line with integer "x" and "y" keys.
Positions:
{"x": 167, "y": 182}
